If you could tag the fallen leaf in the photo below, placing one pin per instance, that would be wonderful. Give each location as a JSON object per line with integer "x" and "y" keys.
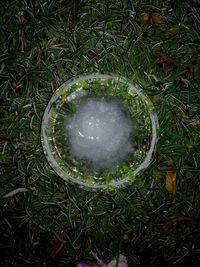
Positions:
{"x": 63, "y": 98}
{"x": 21, "y": 17}
{"x": 184, "y": 117}
{"x": 170, "y": 183}
{"x": 58, "y": 246}
{"x": 161, "y": 158}
{"x": 157, "y": 18}
{"x": 166, "y": 226}
{"x": 188, "y": 119}
{"x": 125, "y": 237}
{"x": 144, "y": 18}
{"x": 136, "y": 235}
{"x": 58, "y": 186}
{"x": 52, "y": 41}
{"x": 58, "y": 92}
{"x": 165, "y": 63}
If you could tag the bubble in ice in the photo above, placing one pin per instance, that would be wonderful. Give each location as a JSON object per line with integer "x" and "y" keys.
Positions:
{"x": 99, "y": 133}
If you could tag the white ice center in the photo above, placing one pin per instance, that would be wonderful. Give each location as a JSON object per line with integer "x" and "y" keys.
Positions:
{"x": 99, "y": 132}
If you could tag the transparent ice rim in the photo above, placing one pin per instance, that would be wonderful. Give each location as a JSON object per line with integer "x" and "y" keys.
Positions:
{"x": 111, "y": 184}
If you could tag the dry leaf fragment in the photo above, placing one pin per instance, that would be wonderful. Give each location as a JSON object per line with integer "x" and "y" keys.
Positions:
{"x": 170, "y": 184}
{"x": 144, "y": 18}
{"x": 58, "y": 246}
{"x": 125, "y": 237}
{"x": 157, "y": 18}
{"x": 52, "y": 41}
{"x": 166, "y": 226}
{"x": 165, "y": 63}
{"x": 188, "y": 119}
{"x": 21, "y": 17}
{"x": 59, "y": 187}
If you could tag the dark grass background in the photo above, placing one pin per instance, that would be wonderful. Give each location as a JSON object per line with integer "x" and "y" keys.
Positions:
{"x": 43, "y": 44}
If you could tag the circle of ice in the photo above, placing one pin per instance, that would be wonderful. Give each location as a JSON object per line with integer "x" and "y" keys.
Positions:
{"x": 99, "y": 132}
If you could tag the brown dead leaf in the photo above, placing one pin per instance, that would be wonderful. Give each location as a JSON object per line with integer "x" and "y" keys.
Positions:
{"x": 161, "y": 158}
{"x": 165, "y": 63}
{"x": 157, "y": 18}
{"x": 144, "y": 18}
{"x": 21, "y": 17}
{"x": 166, "y": 226}
{"x": 170, "y": 183}
{"x": 52, "y": 41}
{"x": 193, "y": 122}
{"x": 125, "y": 237}
{"x": 58, "y": 246}
{"x": 136, "y": 235}
{"x": 186, "y": 118}
{"x": 59, "y": 187}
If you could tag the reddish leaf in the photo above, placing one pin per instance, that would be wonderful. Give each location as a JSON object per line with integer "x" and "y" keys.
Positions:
{"x": 144, "y": 18}
{"x": 165, "y": 63}
{"x": 58, "y": 246}
{"x": 166, "y": 226}
{"x": 157, "y": 18}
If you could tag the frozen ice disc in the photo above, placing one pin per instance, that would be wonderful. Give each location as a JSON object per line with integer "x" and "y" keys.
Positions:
{"x": 99, "y": 132}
